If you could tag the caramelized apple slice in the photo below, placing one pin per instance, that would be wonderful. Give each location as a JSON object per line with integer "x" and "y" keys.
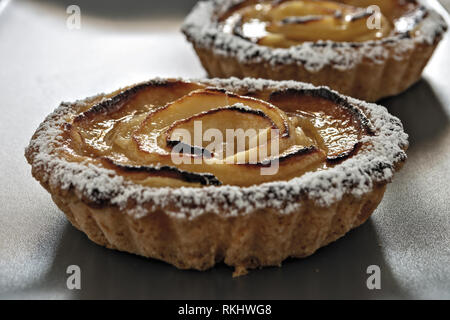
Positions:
{"x": 148, "y": 136}
{"x": 336, "y": 126}
{"x": 139, "y": 172}
{"x": 114, "y": 118}
{"x": 216, "y": 124}
{"x": 312, "y": 20}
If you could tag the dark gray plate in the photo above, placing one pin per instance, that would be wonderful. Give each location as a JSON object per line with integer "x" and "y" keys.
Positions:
{"x": 42, "y": 62}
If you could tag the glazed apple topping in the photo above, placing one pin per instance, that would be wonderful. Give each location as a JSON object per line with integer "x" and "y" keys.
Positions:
{"x": 286, "y": 23}
{"x": 181, "y": 133}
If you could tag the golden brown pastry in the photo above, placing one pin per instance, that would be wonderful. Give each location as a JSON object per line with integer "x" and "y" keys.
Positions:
{"x": 366, "y": 49}
{"x": 158, "y": 168}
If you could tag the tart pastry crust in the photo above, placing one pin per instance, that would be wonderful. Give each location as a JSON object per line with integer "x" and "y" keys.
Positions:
{"x": 366, "y": 69}
{"x": 194, "y": 217}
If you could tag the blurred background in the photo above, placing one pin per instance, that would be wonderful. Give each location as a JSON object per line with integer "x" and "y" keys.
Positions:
{"x": 123, "y": 41}
{"x": 128, "y": 9}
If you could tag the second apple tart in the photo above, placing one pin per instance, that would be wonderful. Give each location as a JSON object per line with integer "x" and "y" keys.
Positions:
{"x": 367, "y": 49}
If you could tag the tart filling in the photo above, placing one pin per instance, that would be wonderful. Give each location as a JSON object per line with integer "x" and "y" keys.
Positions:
{"x": 283, "y": 24}
{"x": 225, "y": 132}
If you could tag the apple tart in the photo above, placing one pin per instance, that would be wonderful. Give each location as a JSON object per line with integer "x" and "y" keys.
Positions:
{"x": 365, "y": 49}
{"x": 160, "y": 169}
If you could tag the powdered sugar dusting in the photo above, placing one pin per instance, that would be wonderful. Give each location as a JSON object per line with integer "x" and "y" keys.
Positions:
{"x": 356, "y": 175}
{"x": 202, "y": 28}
